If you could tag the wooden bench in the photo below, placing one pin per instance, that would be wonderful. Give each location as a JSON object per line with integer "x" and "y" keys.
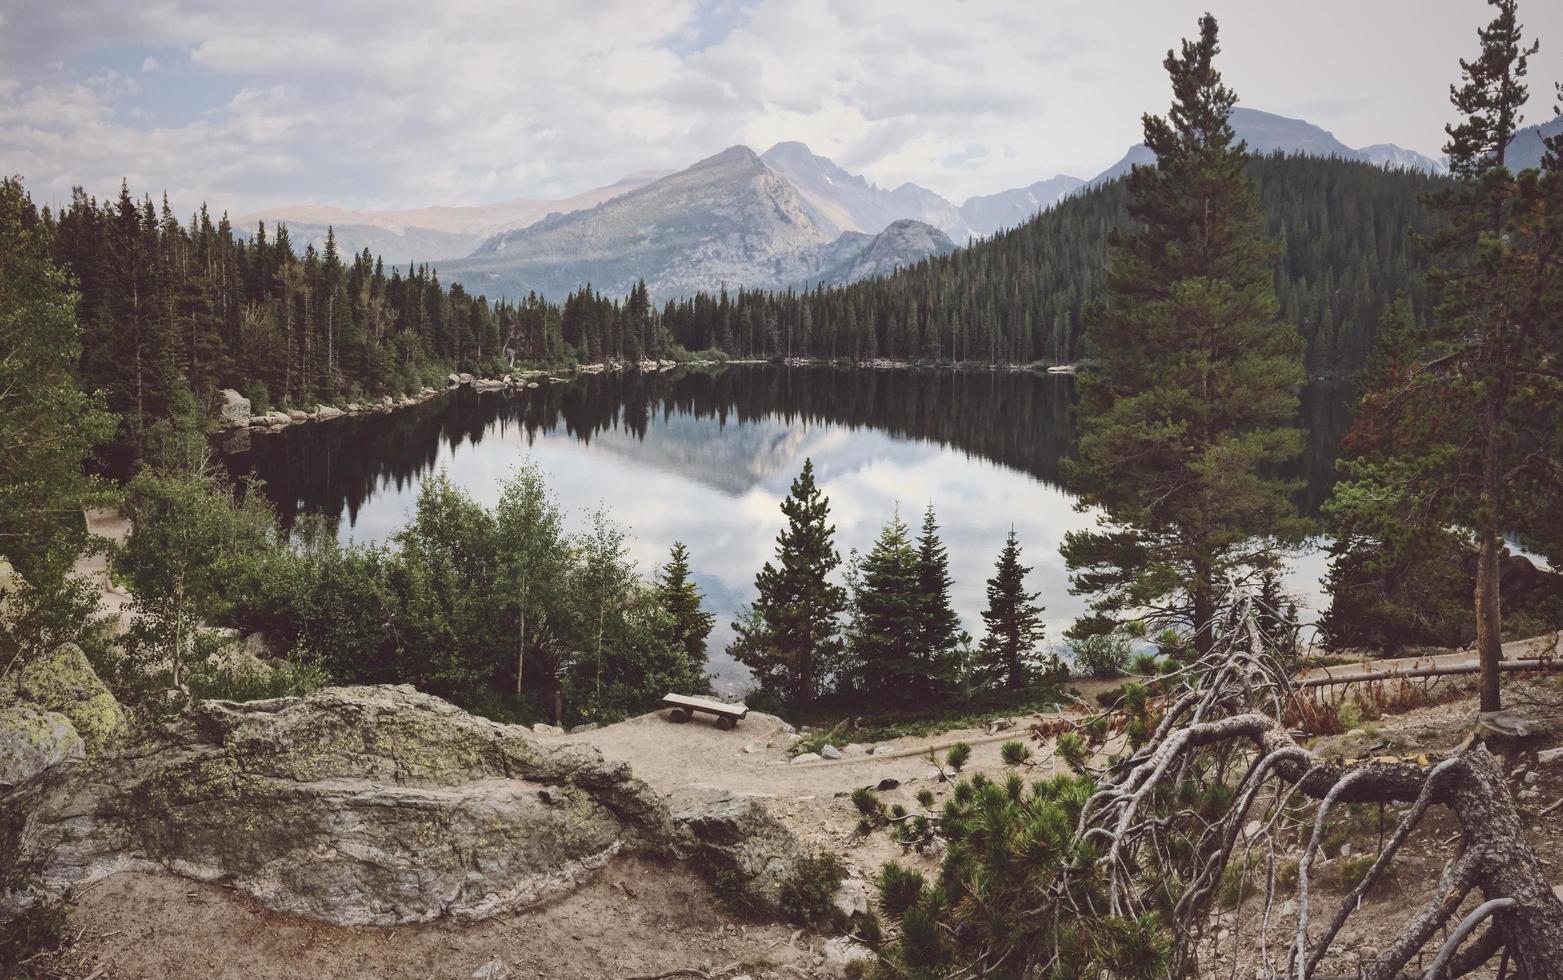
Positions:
{"x": 684, "y": 707}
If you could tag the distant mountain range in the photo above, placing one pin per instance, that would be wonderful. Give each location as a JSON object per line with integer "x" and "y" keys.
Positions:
{"x": 787, "y": 217}
{"x": 1267, "y": 133}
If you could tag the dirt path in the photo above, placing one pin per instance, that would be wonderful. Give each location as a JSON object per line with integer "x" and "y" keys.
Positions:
{"x": 109, "y": 524}
{"x": 1371, "y": 669}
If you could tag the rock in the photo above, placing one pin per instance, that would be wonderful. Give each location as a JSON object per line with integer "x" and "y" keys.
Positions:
{"x": 353, "y": 408}
{"x": 33, "y": 739}
{"x": 800, "y": 759}
{"x": 274, "y": 418}
{"x": 329, "y": 412}
{"x": 387, "y": 402}
{"x": 494, "y": 969}
{"x": 851, "y": 898}
{"x": 355, "y": 805}
{"x": 1558, "y": 891}
{"x": 426, "y": 392}
{"x": 1550, "y": 757}
{"x": 854, "y": 748}
{"x": 544, "y": 729}
{"x": 466, "y": 378}
{"x": 590, "y": 726}
{"x": 1346, "y": 849}
{"x": 1000, "y": 725}
{"x": 830, "y": 752}
{"x": 841, "y": 952}
{"x": 65, "y": 682}
{"x": 298, "y": 415}
{"x": 882, "y": 750}
{"x": 887, "y": 784}
{"x": 1253, "y": 828}
{"x": 1531, "y": 777}
{"x": 233, "y": 409}
{"x": 453, "y": 380}
{"x": 734, "y": 833}
{"x": 754, "y": 747}
{"x": 261, "y": 645}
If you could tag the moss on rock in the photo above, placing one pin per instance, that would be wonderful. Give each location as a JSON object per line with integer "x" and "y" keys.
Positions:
{"x": 64, "y": 681}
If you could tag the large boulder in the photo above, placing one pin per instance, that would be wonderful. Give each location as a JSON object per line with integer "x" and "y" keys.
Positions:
{"x": 357, "y": 805}
{"x": 734, "y": 833}
{"x": 64, "y": 681}
{"x": 233, "y": 409}
{"x": 32, "y": 740}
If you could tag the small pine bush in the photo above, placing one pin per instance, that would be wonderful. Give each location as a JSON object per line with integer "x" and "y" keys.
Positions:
{"x": 958, "y": 756}
{"x": 899, "y": 889}
{"x": 807, "y": 894}
{"x": 1014, "y": 752}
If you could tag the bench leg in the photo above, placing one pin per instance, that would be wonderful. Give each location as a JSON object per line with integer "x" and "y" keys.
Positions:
{"x": 726, "y": 724}
{"x": 679, "y": 715}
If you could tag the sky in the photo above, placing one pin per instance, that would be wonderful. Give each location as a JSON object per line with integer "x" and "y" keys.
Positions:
{"x": 391, "y": 105}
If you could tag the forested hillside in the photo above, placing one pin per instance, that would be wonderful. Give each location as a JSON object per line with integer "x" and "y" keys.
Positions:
{"x": 1020, "y": 296}
{"x": 172, "y": 307}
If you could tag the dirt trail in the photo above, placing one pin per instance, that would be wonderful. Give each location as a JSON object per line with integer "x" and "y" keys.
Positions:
{"x": 109, "y": 524}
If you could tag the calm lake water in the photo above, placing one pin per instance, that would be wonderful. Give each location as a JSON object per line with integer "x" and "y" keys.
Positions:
{"x": 706, "y": 458}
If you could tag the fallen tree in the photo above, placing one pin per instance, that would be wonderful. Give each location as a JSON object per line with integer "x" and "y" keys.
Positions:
{"x": 1207, "y": 779}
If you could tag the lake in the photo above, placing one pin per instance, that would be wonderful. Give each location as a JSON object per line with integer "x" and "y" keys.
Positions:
{"x": 705, "y": 457}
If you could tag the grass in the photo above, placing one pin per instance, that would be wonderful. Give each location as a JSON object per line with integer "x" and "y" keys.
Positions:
{"x": 837, "y": 723}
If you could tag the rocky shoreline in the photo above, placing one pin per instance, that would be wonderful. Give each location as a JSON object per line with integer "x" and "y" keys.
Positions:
{"x": 234, "y": 415}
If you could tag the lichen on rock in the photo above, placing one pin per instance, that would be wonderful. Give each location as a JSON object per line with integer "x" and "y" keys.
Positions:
{"x": 64, "y": 681}
{"x": 358, "y": 806}
{"x": 32, "y": 740}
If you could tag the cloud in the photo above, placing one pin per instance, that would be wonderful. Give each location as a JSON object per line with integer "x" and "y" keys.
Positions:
{"x": 391, "y": 104}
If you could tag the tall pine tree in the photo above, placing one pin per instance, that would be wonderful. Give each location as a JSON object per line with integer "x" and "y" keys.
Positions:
{"x": 939, "y": 629}
{"x": 1461, "y": 430}
{"x": 789, "y": 637}
{"x": 1013, "y": 618}
{"x": 1194, "y": 402}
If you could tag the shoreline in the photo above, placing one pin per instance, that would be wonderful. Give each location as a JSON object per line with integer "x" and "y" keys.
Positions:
{"x": 234, "y": 421}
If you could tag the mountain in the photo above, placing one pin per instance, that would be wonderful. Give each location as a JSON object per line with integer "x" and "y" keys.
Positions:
{"x": 839, "y": 201}
{"x": 1398, "y": 158}
{"x": 424, "y": 234}
{"x": 856, "y": 256}
{"x": 1266, "y": 133}
{"x": 729, "y": 220}
{"x": 1526, "y": 149}
{"x": 989, "y": 213}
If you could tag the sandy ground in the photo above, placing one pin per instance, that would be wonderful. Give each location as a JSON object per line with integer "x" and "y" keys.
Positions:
{"x": 634, "y": 918}
{"x": 115, "y": 601}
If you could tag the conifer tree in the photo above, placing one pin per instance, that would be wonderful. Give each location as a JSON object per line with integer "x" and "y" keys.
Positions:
{"x": 887, "y": 613}
{"x": 689, "y": 625}
{"x": 1461, "y": 429}
{"x": 1194, "y": 403}
{"x": 939, "y": 627}
{"x": 1013, "y": 618}
{"x": 790, "y": 635}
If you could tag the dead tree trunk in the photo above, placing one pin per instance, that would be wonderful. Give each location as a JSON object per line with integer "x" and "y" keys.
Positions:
{"x": 1227, "y": 709}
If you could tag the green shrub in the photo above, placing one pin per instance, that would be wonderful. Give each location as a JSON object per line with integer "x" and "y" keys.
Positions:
{"x": 866, "y": 802}
{"x": 899, "y": 889}
{"x": 1014, "y": 752}
{"x": 1073, "y": 750}
{"x": 808, "y": 893}
{"x": 958, "y": 756}
{"x": 1101, "y": 655}
{"x": 925, "y": 798}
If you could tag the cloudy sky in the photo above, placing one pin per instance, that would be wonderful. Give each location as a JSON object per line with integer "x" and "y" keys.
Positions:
{"x": 390, "y": 104}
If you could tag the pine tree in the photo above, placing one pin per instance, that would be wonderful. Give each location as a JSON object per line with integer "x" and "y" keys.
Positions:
{"x": 789, "y": 637}
{"x": 1013, "y": 618}
{"x": 689, "y": 625}
{"x": 887, "y": 613}
{"x": 47, "y": 424}
{"x": 939, "y": 628}
{"x": 1194, "y": 403}
{"x": 1460, "y": 430}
